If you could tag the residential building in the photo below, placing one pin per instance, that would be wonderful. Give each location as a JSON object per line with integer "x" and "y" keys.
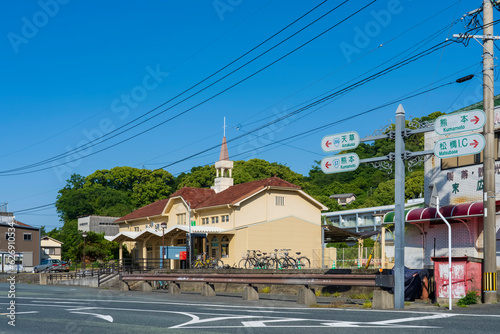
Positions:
{"x": 261, "y": 215}
{"x": 98, "y": 224}
{"x": 344, "y": 199}
{"x": 50, "y": 248}
{"x": 20, "y": 240}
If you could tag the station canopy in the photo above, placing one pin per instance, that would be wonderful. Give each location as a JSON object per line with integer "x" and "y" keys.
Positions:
{"x": 336, "y": 234}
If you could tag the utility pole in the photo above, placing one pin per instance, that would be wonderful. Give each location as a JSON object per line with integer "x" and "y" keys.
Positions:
{"x": 489, "y": 154}
{"x": 489, "y": 219}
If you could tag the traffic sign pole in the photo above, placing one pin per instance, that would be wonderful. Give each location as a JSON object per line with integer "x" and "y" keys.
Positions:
{"x": 399, "y": 210}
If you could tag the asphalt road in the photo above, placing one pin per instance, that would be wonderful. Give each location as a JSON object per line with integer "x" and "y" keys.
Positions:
{"x": 61, "y": 309}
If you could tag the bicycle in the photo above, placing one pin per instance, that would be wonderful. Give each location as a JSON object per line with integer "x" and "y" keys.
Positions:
{"x": 253, "y": 260}
{"x": 208, "y": 263}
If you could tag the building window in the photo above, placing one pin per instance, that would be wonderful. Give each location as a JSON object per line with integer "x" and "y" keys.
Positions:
{"x": 181, "y": 219}
{"x": 215, "y": 220}
{"x": 181, "y": 241}
{"x": 224, "y": 245}
{"x": 136, "y": 229}
{"x": 215, "y": 247}
{"x": 204, "y": 221}
{"x": 280, "y": 200}
{"x": 224, "y": 218}
{"x": 27, "y": 236}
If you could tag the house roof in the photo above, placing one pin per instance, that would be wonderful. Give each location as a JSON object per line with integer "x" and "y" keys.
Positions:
{"x": 239, "y": 192}
{"x": 199, "y": 198}
{"x": 343, "y": 195}
{"x": 150, "y": 210}
{"x": 194, "y": 196}
{"x": 46, "y": 237}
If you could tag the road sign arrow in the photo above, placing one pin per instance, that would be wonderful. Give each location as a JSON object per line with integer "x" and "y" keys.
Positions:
{"x": 328, "y": 143}
{"x": 328, "y": 164}
{"x": 475, "y": 120}
{"x": 474, "y": 143}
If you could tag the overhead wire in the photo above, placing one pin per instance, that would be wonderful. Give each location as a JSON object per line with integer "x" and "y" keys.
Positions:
{"x": 115, "y": 133}
{"x": 5, "y": 172}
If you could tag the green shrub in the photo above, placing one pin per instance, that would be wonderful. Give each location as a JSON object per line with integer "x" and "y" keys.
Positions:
{"x": 367, "y": 304}
{"x": 266, "y": 290}
{"x": 336, "y": 294}
{"x": 470, "y": 298}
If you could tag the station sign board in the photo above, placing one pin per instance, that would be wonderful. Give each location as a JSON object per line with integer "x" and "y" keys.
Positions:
{"x": 461, "y": 122}
{"x": 340, "y": 163}
{"x": 340, "y": 141}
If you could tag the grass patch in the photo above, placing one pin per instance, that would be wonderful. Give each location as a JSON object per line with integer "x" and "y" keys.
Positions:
{"x": 361, "y": 296}
{"x": 469, "y": 299}
{"x": 367, "y": 304}
{"x": 266, "y": 290}
{"x": 336, "y": 294}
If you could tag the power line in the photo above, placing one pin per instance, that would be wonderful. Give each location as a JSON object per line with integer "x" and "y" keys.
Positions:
{"x": 185, "y": 111}
{"x": 115, "y": 132}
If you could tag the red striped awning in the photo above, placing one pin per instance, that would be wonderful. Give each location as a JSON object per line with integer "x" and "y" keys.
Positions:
{"x": 454, "y": 211}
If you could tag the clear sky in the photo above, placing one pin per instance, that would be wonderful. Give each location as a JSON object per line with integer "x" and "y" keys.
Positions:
{"x": 75, "y": 71}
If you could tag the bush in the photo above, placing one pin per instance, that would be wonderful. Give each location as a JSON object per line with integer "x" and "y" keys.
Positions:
{"x": 469, "y": 299}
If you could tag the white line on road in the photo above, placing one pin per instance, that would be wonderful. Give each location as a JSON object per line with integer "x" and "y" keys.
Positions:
{"x": 100, "y": 316}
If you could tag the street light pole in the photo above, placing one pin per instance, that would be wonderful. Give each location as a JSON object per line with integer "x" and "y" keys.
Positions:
{"x": 84, "y": 235}
{"x": 163, "y": 225}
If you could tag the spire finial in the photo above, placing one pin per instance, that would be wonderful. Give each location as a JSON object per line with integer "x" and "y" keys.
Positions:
{"x": 224, "y": 126}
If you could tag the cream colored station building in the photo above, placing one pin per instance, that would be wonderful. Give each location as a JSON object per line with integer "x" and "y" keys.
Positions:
{"x": 260, "y": 215}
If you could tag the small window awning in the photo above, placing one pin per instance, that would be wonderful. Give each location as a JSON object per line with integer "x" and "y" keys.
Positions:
{"x": 454, "y": 211}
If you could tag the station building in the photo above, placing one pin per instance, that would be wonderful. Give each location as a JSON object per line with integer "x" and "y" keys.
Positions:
{"x": 260, "y": 215}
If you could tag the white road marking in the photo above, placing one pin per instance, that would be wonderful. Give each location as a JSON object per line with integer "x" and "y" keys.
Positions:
{"x": 100, "y": 316}
{"x": 394, "y": 321}
{"x": 27, "y": 312}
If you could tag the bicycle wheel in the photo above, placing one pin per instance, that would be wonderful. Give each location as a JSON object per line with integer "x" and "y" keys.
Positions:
{"x": 195, "y": 265}
{"x": 271, "y": 264}
{"x": 303, "y": 263}
{"x": 250, "y": 264}
{"x": 283, "y": 263}
{"x": 219, "y": 264}
{"x": 241, "y": 264}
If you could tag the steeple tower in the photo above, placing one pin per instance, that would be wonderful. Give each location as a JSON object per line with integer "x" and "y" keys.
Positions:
{"x": 223, "y": 167}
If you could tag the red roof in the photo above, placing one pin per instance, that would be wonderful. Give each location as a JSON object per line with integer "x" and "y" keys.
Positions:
{"x": 17, "y": 222}
{"x": 238, "y": 192}
{"x": 153, "y": 209}
{"x": 194, "y": 196}
{"x": 204, "y": 198}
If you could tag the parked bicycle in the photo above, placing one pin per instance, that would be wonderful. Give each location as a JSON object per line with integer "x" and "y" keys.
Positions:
{"x": 254, "y": 260}
{"x": 288, "y": 262}
{"x": 208, "y": 263}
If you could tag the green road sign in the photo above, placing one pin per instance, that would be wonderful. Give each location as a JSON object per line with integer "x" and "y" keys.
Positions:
{"x": 458, "y": 146}
{"x": 193, "y": 223}
{"x": 461, "y": 122}
{"x": 340, "y": 141}
{"x": 340, "y": 163}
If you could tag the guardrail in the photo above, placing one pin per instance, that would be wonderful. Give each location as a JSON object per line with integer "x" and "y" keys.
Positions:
{"x": 305, "y": 295}
{"x": 287, "y": 279}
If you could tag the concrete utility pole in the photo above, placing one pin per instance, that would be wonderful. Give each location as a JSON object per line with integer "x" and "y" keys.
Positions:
{"x": 489, "y": 220}
{"x": 399, "y": 211}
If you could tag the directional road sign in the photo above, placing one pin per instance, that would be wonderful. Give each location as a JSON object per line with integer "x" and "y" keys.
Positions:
{"x": 340, "y": 163}
{"x": 458, "y": 146}
{"x": 340, "y": 141}
{"x": 464, "y": 121}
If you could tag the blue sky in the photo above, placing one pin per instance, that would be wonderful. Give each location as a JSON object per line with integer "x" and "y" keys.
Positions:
{"x": 74, "y": 71}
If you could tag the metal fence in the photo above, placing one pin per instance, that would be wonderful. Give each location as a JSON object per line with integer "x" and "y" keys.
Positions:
{"x": 357, "y": 258}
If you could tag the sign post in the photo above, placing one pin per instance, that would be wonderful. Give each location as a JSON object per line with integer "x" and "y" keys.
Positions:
{"x": 340, "y": 141}
{"x": 340, "y": 163}
{"x": 458, "y": 146}
{"x": 461, "y": 122}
